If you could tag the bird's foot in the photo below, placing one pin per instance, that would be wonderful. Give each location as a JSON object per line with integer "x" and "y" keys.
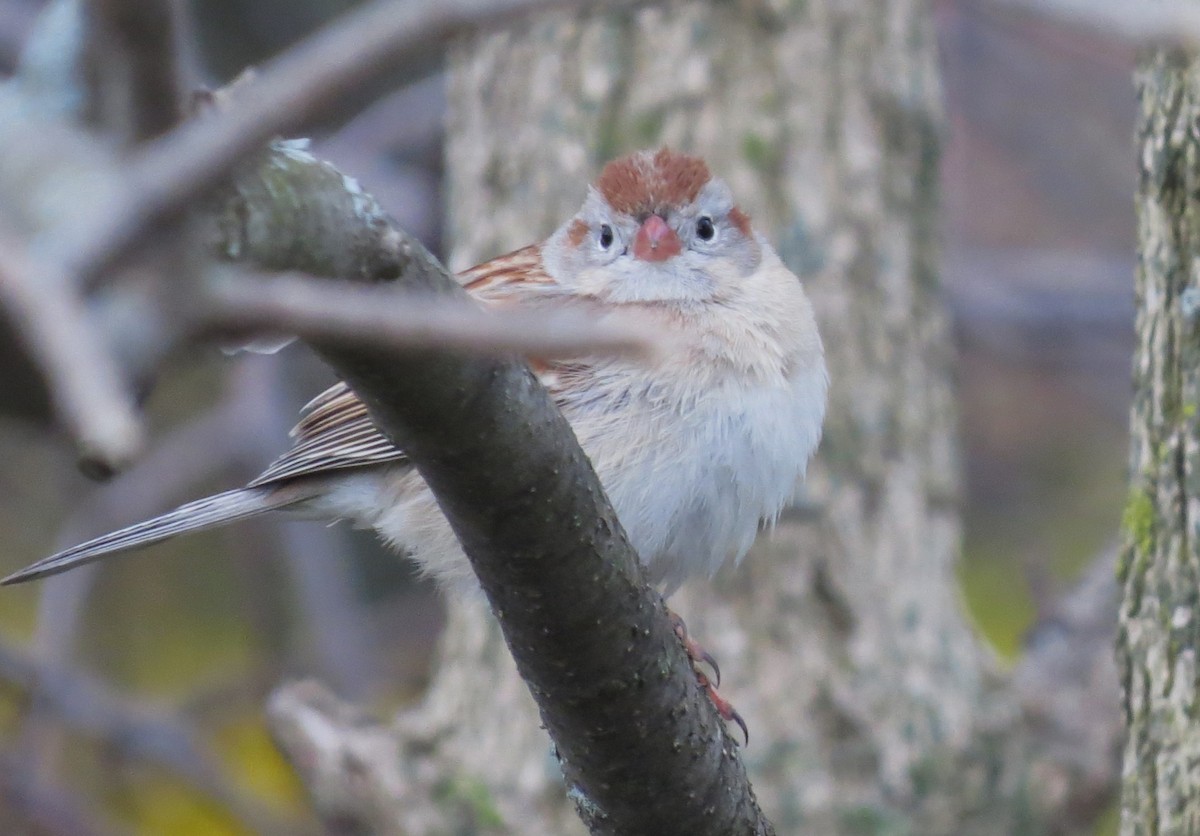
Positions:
{"x": 724, "y": 707}
{"x": 697, "y": 655}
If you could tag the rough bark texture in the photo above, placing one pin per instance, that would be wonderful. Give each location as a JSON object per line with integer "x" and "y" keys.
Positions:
{"x": 1160, "y": 568}
{"x": 841, "y": 638}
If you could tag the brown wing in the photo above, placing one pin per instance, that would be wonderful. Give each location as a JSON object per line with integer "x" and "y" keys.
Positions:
{"x": 335, "y": 431}
{"x": 510, "y": 277}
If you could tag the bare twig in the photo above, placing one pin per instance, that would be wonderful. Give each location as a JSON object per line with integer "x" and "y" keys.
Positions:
{"x": 282, "y": 97}
{"x": 58, "y": 334}
{"x": 388, "y": 317}
{"x": 1163, "y": 22}
{"x": 30, "y": 806}
{"x": 89, "y": 708}
{"x": 132, "y": 49}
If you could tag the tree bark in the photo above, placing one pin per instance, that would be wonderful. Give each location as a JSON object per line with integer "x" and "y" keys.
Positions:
{"x": 874, "y": 708}
{"x": 592, "y": 642}
{"x": 1160, "y": 568}
{"x": 872, "y": 703}
{"x": 842, "y": 639}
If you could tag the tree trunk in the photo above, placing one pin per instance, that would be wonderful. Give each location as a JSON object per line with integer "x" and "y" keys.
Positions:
{"x": 1160, "y": 569}
{"x": 841, "y": 638}
{"x": 872, "y": 705}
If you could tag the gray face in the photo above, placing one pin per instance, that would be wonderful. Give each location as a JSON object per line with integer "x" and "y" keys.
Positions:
{"x": 602, "y": 262}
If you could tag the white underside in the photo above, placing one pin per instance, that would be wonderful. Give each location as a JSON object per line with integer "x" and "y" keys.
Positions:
{"x": 692, "y": 492}
{"x": 695, "y": 452}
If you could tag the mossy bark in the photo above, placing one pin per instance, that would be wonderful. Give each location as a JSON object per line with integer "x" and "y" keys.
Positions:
{"x": 1160, "y": 568}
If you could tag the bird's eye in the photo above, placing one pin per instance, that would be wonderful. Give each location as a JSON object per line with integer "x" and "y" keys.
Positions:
{"x": 606, "y": 236}
{"x": 705, "y": 229}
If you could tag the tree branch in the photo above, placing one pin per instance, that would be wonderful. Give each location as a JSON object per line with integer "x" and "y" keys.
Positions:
{"x": 637, "y": 739}
{"x": 386, "y": 317}
{"x": 86, "y": 707}
{"x": 163, "y": 177}
{"x": 132, "y": 63}
{"x": 86, "y": 386}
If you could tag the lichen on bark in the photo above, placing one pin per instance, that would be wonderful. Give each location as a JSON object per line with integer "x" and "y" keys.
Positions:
{"x": 1160, "y": 568}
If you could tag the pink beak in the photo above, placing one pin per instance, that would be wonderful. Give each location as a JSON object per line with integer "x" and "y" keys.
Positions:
{"x": 656, "y": 241}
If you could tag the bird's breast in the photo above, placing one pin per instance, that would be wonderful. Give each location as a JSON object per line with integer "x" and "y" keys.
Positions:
{"x": 693, "y": 472}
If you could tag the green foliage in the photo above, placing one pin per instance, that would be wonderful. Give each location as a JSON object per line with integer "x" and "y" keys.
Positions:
{"x": 256, "y": 764}
{"x": 998, "y": 600}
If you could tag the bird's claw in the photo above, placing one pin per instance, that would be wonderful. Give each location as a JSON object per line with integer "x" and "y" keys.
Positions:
{"x": 694, "y": 651}
{"x": 708, "y": 659}
{"x": 724, "y": 708}
{"x": 698, "y": 654}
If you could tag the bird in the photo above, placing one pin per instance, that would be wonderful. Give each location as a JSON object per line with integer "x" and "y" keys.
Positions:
{"x": 696, "y": 449}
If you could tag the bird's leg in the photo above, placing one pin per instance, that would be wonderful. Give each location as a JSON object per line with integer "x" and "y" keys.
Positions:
{"x": 698, "y": 654}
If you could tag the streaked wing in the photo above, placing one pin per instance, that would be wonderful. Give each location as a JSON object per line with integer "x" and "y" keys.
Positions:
{"x": 512, "y": 277}
{"x": 335, "y": 431}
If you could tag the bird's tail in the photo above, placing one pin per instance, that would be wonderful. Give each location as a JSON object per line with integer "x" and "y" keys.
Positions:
{"x": 209, "y": 512}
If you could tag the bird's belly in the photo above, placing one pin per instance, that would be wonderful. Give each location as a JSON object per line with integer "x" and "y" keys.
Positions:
{"x": 690, "y": 484}
{"x": 694, "y": 488}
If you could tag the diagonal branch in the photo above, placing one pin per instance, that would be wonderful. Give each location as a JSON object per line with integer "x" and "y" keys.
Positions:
{"x": 57, "y": 331}
{"x": 288, "y": 92}
{"x": 638, "y": 741}
{"x": 617, "y": 693}
{"x": 87, "y": 707}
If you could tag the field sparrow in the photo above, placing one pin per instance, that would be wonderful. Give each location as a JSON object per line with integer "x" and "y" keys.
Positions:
{"x": 695, "y": 450}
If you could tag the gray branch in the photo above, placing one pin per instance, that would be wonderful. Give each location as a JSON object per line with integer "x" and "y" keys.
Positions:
{"x": 166, "y": 175}
{"x": 387, "y": 317}
{"x": 635, "y": 735}
{"x": 87, "y": 707}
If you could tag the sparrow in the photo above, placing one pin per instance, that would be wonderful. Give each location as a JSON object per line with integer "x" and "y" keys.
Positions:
{"x": 696, "y": 449}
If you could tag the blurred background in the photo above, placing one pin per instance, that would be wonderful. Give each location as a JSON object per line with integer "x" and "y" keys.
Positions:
{"x": 153, "y": 669}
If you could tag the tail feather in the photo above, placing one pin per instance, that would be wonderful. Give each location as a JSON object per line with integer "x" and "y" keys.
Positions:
{"x": 210, "y": 512}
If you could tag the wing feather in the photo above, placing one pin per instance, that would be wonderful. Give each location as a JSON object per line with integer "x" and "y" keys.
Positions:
{"x": 335, "y": 431}
{"x": 510, "y": 277}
